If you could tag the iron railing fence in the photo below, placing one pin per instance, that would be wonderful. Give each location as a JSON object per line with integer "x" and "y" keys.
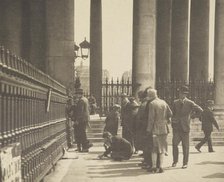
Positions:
{"x": 111, "y": 92}
{"x": 200, "y": 91}
{"x": 32, "y": 113}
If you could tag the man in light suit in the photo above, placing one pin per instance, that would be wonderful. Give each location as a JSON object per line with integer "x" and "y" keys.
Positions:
{"x": 183, "y": 111}
{"x": 159, "y": 115}
{"x": 82, "y": 120}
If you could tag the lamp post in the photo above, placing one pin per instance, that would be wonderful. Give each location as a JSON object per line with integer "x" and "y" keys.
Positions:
{"x": 85, "y": 47}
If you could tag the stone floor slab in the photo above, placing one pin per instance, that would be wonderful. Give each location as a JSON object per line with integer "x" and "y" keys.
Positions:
{"x": 203, "y": 167}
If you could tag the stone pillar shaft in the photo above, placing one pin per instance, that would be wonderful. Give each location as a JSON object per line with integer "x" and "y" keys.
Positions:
{"x": 11, "y": 25}
{"x": 163, "y": 39}
{"x": 60, "y": 40}
{"x": 199, "y": 40}
{"x": 96, "y": 50}
{"x": 144, "y": 44}
{"x": 34, "y": 33}
{"x": 219, "y": 53}
{"x": 180, "y": 40}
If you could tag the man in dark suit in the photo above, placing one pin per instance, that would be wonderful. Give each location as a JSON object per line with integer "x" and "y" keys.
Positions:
{"x": 82, "y": 120}
{"x": 208, "y": 120}
{"x": 183, "y": 111}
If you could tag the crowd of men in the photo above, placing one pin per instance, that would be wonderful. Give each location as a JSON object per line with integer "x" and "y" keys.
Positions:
{"x": 144, "y": 122}
{"x": 145, "y": 127}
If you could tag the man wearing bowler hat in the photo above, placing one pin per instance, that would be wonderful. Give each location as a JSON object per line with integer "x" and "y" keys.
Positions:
{"x": 183, "y": 111}
{"x": 82, "y": 120}
{"x": 208, "y": 120}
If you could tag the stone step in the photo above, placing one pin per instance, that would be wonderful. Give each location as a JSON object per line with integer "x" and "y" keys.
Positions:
{"x": 98, "y": 122}
{"x": 95, "y": 139}
{"x": 97, "y": 125}
{"x": 99, "y": 134}
{"x": 193, "y": 142}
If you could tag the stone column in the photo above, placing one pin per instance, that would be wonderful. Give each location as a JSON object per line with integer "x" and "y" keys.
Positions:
{"x": 199, "y": 40}
{"x": 60, "y": 40}
{"x": 34, "y": 33}
{"x": 96, "y": 50}
{"x": 180, "y": 40}
{"x": 11, "y": 25}
{"x": 144, "y": 44}
{"x": 163, "y": 40}
{"x": 219, "y": 53}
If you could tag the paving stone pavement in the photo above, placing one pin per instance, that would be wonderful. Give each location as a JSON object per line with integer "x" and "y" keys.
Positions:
{"x": 203, "y": 167}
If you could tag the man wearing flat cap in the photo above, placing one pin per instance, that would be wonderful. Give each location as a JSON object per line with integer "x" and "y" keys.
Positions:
{"x": 118, "y": 147}
{"x": 208, "y": 120}
{"x": 112, "y": 120}
{"x": 82, "y": 120}
{"x": 183, "y": 111}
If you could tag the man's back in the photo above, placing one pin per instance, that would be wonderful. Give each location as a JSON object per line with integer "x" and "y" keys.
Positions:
{"x": 159, "y": 113}
{"x": 83, "y": 109}
{"x": 121, "y": 144}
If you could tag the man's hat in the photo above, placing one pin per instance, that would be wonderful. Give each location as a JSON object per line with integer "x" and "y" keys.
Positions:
{"x": 210, "y": 102}
{"x": 184, "y": 89}
{"x": 116, "y": 106}
{"x": 79, "y": 91}
{"x": 124, "y": 95}
{"x": 107, "y": 134}
{"x": 131, "y": 98}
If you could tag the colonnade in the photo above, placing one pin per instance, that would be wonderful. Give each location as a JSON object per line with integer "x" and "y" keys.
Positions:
{"x": 171, "y": 42}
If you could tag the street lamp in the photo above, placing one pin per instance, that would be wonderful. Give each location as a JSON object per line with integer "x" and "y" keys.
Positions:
{"x": 85, "y": 46}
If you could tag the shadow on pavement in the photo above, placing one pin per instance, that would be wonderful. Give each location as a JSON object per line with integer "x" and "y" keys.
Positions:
{"x": 116, "y": 172}
{"x": 211, "y": 162}
{"x": 194, "y": 153}
{"x": 113, "y": 166}
{"x": 122, "y": 169}
{"x": 215, "y": 175}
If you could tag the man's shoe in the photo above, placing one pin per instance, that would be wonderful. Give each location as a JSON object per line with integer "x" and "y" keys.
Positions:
{"x": 211, "y": 151}
{"x": 184, "y": 166}
{"x": 89, "y": 145}
{"x": 78, "y": 150}
{"x": 197, "y": 148}
{"x": 174, "y": 164}
{"x": 152, "y": 170}
{"x": 147, "y": 167}
{"x": 85, "y": 150}
{"x": 142, "y": 164}
{"x": 161, "y": 170}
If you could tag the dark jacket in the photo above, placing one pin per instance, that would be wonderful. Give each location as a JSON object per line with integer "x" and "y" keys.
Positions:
{"x": 129, "y": 116}
{"x": 207, "y": 119}
{"x": 183, "y": 112}
{"x": 112, "y": 122}
{"x": 120, "y": 145}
